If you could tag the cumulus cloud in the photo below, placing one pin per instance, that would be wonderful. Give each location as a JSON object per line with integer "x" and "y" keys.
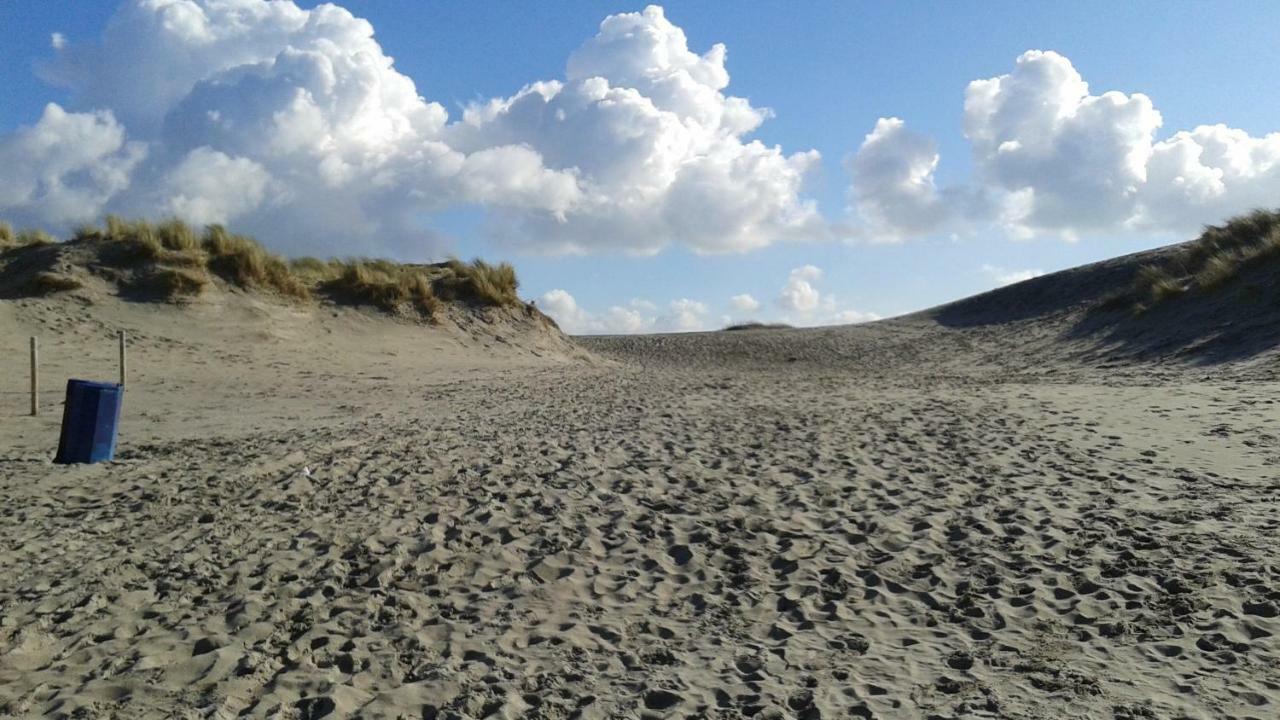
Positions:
{"x": 637, "y": 147}
{"x": 640, "y": 145}
{"x": 638, "y": 316}
{"x": 208, "y": 186}
{"x": 683, "y": 315}
{"x": 744, "y": 303}
{"x": 564, "y": 309}
{"x": 799, "y": 294}
{"x": 850, "y": 317}
{"x": 64, "y": 168}
{"x": 1206, "y": 175}
{"x": 1077, "y": 160}
{"x": 1002, "y": 276}
{"x": 893, "y": 185}
{"x": 657, "y": 148}
{"x": 1052, "y": 158}
{"x": 802, "y": 303}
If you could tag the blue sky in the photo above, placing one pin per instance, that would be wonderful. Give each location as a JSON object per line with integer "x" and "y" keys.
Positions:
{"x": 827, "y": 72}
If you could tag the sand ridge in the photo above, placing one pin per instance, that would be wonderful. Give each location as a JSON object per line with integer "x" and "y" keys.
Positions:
{"x": 884, "y": 521}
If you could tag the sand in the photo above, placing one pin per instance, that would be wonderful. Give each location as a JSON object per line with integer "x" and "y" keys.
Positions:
{"x": 331, "y": 515}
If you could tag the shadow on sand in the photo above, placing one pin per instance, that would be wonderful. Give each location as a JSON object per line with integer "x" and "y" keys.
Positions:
{"x": 1092, "y": 304}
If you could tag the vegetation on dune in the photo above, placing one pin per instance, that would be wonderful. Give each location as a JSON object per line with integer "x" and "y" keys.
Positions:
{"x": 426, "y": 288}
{"x": 242, "y": 261}
{"x": 169, "y": 260}
{"x": 48, "y": 283}
{"x": 480, "y": 282}
{"x": 1212, "y": 261}
{"x": 756, "y": 325}
{"x": 10, "y": 239}
{"x": 382, "y": 284}
{"x": 170, "y": 283}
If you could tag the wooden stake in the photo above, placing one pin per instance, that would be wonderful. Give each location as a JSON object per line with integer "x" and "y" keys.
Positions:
{"x": 35, "y": 378}
{"x": 123, "y": 366}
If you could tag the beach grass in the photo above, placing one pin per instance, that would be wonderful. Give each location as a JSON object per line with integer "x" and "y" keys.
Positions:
{"x": 171, "y": 260}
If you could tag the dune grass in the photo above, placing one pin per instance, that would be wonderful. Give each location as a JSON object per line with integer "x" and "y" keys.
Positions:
{"x": 1218, "y": 270}
{"x": 479, "y": 282}
{"x": 239, "y": 259}
{"x": 756, "y": 325}
{"x": 48, "y": 283}
{"x": 380, "y": 283}
{"x": 172, "y": 261}
{"x": 1213, "y": 261}
{"x": 11, "y": 239}
{"x": 174, "y": 284}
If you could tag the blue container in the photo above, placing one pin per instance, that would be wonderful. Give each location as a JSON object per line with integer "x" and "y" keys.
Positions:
{"x": 89, "y": 421}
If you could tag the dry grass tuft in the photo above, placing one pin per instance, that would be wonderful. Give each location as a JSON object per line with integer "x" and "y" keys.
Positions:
{"x": 385, "y": 285}
{"x": 480, "y": 283}
{"x": 314, "y": 271}
{"x": 24, "y": 238}
{"x": 9, "y": 239}
{"x": 170, "y": 284}
{"x": 241, "y": 260}
{"x": 1218, "y": 270}
{"x": 176, "y": 235}
{"x": 1162, "y": 290}
{"x": 132, "y": 242}
{"x": 1211, "y": 263}
{"x": 171, "y": 260}
{"x": 1157, "y": 284}
{"x": 756, "y": 325}
{"x": 178, "y": 283}
{"x": 48, "y": 283}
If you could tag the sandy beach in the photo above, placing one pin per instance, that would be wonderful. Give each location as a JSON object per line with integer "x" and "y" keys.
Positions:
{"x": 322, "y": 513}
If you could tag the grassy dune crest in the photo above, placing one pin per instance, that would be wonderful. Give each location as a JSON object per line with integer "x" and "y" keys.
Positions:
{"x": 1213, "y": 261}
{"x": 11, "y": 239}
{"x": 171, "y": 261}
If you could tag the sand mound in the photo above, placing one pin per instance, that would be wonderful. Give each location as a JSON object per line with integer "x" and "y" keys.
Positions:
{"x": 1086, "y": 319}
{"x": 325, "y": 511}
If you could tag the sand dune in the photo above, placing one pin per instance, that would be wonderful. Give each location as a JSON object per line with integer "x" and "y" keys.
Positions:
{"x": 991, "y": 509}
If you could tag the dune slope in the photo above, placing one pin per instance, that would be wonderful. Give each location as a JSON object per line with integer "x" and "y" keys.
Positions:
{"x": 957, "y": 514}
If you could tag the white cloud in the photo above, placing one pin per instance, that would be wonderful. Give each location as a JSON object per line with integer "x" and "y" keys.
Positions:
{"x": 849, "y": 317}
{"x": 799, "y": 295}
{"x": 638, "y": 316}
{"x": 806, "y": 307}
{"x": 1080, "y": 158}
{"x": 636, "y": 148}
{"x": 744, "y": 303}
{"x": 1051, "y": 158}
{"x": 1207, "y": 175}
{"x": 64, "y": 169}
{"x": 657, "y": 148}
{"x": 893, "y": 186}
{"x": 684, "y": 315}
{"x": 639, "y": 146}
{"x": 563, "y": 308}
{"x": 1003, "y": 276}
{"x": 802, "y": 303}
{"x": 208, "y": 186}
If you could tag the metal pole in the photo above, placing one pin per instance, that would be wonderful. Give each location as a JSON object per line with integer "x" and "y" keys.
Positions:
{"x": 35, "y": 377}
{"x": 122, "y": 358}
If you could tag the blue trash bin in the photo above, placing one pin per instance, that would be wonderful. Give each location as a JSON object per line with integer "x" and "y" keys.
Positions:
{"x": 89, "y": 421}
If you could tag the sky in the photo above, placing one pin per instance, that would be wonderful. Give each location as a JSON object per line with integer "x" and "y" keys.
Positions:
{"x": 656, "y": 168}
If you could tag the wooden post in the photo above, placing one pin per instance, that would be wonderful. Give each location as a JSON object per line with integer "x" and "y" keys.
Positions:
{"x": 35, "y": 378}
{"x": 122, "y": 359}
